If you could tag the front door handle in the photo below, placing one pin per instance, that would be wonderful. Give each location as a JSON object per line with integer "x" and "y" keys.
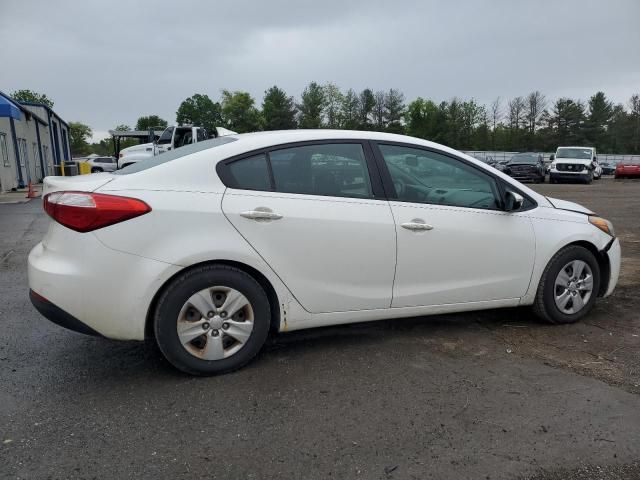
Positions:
{"x": 261, "y": 213}
{"x": 416, "y": 225}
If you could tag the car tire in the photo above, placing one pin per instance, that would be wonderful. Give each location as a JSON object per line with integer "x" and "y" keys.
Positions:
{"x": 172, "y": 302}
{"x": 96, "y": 170}
{"x": 546, "y": 305}
{"x": 589, "y": 180}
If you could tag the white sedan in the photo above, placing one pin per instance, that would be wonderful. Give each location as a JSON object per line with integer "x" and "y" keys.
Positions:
{"x": 210, "y": 247}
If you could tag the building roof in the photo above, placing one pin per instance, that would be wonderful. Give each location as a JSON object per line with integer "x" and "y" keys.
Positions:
{"x": 11, "y": 108}
{"x": 47, "y": 108}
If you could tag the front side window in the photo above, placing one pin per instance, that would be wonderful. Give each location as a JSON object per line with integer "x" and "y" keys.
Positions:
{"x": 421, "y": 176}
{"x": 165, "y": 137}
{"x": 337, "y": 170}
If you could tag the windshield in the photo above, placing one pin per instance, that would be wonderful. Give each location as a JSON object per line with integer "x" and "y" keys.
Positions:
{"x": 173, "y": 154}
{"x": 524, "y": 158}
{"x": 577, "y": 153}
{"x": 165, "y": 138}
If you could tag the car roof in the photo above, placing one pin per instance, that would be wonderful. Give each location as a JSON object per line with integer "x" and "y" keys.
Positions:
{"x": 255, "y": 140}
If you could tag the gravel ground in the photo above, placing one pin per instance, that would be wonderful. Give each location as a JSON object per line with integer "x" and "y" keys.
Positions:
{"x": 492, "y": 394}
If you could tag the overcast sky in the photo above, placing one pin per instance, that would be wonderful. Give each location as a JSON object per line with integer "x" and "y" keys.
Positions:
{"x": 107, "y": 63}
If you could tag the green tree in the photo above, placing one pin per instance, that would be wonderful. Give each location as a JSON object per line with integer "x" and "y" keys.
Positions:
{"x": 394, "y": 111}
{"x": 31, "y": 96}
{"x": 634, "y": 120}
{"x": 379, "y": 111}
{"x": 422, "y": 119}
{"x": 151, "y": 121}
{"x": 567, "y": 121}
{"x": 333, "y": 100}
{"x": 350, "y": 113}
{"x": 598, "y": 117}
{"x": 239, "y": 113}
{"x": 366, "y": 106}
{"x": 79, "y": 134}
{"x": 472, "y": 116}
{"x": 122, "y": 128}
{"x": 278, "y": 110}
{"x": 311, "y": 106}
{"x": 199, "y": 110}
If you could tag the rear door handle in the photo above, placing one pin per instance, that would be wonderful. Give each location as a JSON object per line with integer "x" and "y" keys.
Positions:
{"x": 261, "y": 213}
{"x": 416, "y": 225}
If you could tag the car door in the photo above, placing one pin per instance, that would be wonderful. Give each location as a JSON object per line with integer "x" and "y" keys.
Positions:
{"x": 316, "y": 214}
{"x": 455, "y": 244}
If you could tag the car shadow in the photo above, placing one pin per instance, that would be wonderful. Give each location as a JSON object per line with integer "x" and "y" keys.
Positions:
{"x": 105, "y": 360}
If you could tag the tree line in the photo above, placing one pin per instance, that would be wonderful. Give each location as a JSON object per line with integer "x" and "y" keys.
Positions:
{"x": 523, "y": 123}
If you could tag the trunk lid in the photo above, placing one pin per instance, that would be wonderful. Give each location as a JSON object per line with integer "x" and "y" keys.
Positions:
{"x": 79, "y": 183}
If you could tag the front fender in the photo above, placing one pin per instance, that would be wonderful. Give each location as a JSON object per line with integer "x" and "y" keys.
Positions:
{"x": 555, "y": 229}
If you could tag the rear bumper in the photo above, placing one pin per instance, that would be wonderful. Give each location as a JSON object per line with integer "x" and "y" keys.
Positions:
{"x": 614, "y": 253}
{"x": 58, "y": 316}
{"x": 82, "y": 285}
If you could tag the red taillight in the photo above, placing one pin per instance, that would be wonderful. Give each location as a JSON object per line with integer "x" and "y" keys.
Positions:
{"x": 85, "y": 211}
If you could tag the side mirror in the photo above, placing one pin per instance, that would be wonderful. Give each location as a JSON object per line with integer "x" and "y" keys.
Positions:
{"x": 552, "y": 156}
{"x": 513, "y": 201}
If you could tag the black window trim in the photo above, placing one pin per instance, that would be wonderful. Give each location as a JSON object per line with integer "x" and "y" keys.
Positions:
{"x": 377, "y": 189}
{"x": 391, "y": 195}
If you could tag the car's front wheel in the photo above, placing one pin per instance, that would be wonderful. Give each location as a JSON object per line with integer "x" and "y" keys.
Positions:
{"x": 96, "y": 170}
{"x": 212, "y": 319}
{"x": 569, "y": 286}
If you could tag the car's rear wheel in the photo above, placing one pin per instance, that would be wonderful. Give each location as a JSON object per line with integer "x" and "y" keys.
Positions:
{"x": 569, "y": 286}
{"x": 212, "y": 319}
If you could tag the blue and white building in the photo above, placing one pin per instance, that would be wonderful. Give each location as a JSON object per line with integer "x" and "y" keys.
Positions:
{"x": 33, "y": 138}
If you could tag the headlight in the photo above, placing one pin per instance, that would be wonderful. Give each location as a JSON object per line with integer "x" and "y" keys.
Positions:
{"x": 605, "y": 225}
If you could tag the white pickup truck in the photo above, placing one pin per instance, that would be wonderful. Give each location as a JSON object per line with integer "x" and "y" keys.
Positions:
{"x": 574, "y": 163}
{"x": 170, "y": 139}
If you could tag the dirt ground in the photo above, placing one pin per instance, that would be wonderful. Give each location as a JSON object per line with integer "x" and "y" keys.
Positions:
{"x": 491, "y": 395}
{"x": 606, "y": 345}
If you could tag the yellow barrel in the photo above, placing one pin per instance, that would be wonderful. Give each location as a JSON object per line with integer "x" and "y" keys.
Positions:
{"x": 83, "y": 168}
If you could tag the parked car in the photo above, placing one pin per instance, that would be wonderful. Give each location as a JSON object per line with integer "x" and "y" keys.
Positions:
{"x": 500, "y": 165}
{"x": 608, "y": 168}
{"x": 102, "y": 164}
{"x": 526, "y": 167}
{"x": 628, "y": 169}
{"x": 574, "y": 164}
{"x": 280, "y": 231}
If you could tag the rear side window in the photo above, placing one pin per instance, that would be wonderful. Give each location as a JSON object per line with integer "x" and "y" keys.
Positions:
{"x": 251, "y": 173}
{"x": 337, "y": 170}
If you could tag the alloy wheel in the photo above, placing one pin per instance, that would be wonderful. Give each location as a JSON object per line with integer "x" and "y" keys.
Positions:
{"x": 573, "y": 287}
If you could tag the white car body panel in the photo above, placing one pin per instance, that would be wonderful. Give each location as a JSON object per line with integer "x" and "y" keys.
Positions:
{"x": 570, "y": 206}
{"x": 438, "y": 266}
{"x": 331, "y": 263}
{"x": 85, "y": 279}
{"x": 130, "y": 261}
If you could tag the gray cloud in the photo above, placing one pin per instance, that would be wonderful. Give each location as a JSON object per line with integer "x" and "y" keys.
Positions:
{"x": 106, "y": 63}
